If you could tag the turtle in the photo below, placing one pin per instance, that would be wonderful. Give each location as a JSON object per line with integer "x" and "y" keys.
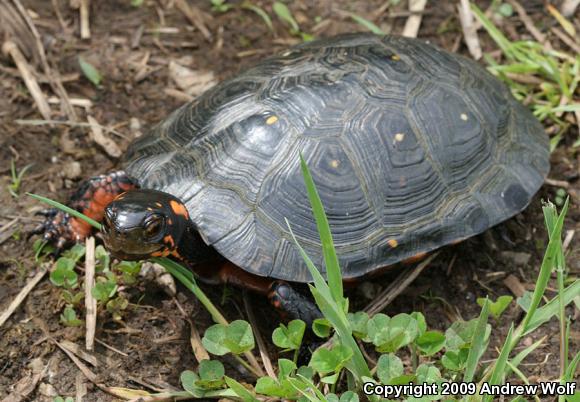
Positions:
{"x": 411, "y": 148}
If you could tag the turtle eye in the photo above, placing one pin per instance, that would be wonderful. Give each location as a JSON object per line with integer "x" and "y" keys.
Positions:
{"x": 153, "y": 226}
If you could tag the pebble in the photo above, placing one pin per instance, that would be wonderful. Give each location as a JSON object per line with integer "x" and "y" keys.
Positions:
{"x": 72, "y": 170}
{"x": 518, "y": 258}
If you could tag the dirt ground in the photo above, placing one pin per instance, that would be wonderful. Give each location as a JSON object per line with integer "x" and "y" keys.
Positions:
{"x": 136, "y": 50}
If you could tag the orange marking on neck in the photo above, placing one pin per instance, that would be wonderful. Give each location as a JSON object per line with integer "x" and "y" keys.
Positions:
{"x": 169, "y": 240}
{"x": 393, "y": 243}
{"x": 160, "y": 253}
{"x": 179, "y": 209}
{"x": 176, "y": 254}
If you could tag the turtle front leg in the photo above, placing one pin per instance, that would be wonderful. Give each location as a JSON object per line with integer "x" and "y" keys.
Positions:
{"x": 289, "y": 303}
{"x": 91, "y": 198}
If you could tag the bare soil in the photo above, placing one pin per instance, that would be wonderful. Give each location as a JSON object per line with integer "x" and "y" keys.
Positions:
{"x": 132, "y": 48}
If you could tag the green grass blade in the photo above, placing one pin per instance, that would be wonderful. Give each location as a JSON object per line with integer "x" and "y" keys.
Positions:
{"x": 240, "y": 390}
{"x": 552, "y": 308}
{"x": 477, "y": 344}
{"x": 567, "y": 108}
{"x": 330, "y": 259}
{"x": 284, "y": 13}
{"x": 500, "y": 364}
{"x": 319, "y": 281}
{"x": 367, "y": 24}
{"x": 571, "y": 369}
{"x": 261, "y": 13}
{"x": 517, "y": 360}
{"x": 333, "y": 312}
{"x": 550, "y": 258}
{"x": 185, "y": 276}
{"x": 505, "y": 45}
{"x": 66, "y": 209}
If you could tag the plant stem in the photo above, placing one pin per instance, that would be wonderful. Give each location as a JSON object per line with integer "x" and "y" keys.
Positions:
{"x": 248, "y": 366}
{"x": 295, "y": 359}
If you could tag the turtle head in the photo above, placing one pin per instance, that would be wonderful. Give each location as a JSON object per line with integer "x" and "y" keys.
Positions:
{"x": 142, "y": 223}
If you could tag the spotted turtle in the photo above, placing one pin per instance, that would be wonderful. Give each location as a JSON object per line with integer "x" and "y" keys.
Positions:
{"x": 412, "y": 148}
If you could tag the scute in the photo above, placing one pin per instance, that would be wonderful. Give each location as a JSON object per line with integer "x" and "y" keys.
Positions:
{"x": 411, "y": 148}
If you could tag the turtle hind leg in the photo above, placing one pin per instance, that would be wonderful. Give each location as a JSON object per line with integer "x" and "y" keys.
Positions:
{"x": 91, "y": 198}
{"x": 287, "y": 301}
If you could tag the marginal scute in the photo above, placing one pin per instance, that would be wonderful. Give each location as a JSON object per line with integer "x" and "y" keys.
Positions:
{"x": 515, "y": 196}
{"x": 411, "y": 148}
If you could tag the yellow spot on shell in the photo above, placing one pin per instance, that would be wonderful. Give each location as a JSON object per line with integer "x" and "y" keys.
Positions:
{"x": 399, "y": 137}
{"x": 463, "y": 117}
{"x": 396, "y": 57}
{"x": 271, "y": 120}
{"x": 393, "y": 243}
{"x": 334, "y": 163}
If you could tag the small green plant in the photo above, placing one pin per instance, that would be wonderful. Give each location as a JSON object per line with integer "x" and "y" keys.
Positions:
{"x": 560, "y": 197}
{"x": 66, "y": 399}
{"x": 220, "y": 6}
{"x": 260, "y": 12}
{"x": 90, "y": 72}
{"x": 16, "y": 178}
{"x": 505, "y": 10}
{"x": 210, "y": 377}
{"x": 284, "y": 13}
{"x": 367, "y": 24}
{"x": 290, "y": 337}
{"x": 496, "y": 308}
{"x": 64, "y": 276}
{"x": 552, "y": 77}
{"x": 69, "y": 317}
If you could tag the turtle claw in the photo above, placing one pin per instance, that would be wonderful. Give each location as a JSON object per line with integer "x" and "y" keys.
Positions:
{"x": 56, "y": 229}
{"x": 47, "y": 212}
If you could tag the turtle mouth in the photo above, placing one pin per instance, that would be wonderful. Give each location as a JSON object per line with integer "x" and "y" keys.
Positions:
{"x": 124, "y": 248}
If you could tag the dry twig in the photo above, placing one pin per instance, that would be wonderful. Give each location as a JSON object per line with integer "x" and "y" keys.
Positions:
{"x": 52, "y": 75}
{"x": 23, "y": 293}
{"x": 397, "y": 286}
{"x": 25, "y": 386}
{"x": 97, "y": 135}
{"x": 78, "y": 351}
{"x": 566, "y": 39}
{"x": 469, "y": 29}
{"x": 514, "y": 285}
{"x": 193, "y": 14}
{"x": 414, "y": 21}
{"x": 194, "y": 338}
{"x": 90, "y": 301}
{"x": 5, "y": 233}
{"x": 569, "y": 7}
{"x": 557, "y": 183}
{"x": 10, "y": 48}
{"x": 261, "y": 345}
{"x": 84, "y": 15}
{"x": 568, "y": 239}
{"x": 529, "y": 24}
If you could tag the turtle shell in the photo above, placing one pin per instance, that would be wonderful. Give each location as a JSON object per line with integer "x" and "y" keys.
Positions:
{"x": 411, "y": 148}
